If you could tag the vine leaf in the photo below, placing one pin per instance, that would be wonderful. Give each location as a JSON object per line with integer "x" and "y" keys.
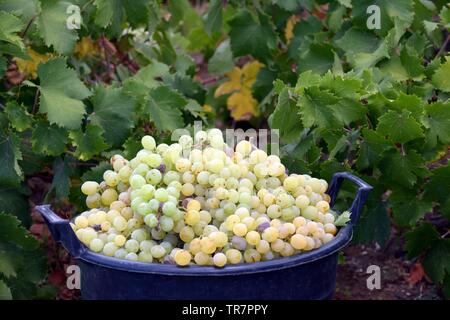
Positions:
{"x": 401, "y": 169}
{"x": 10, "y": 25}
{"x": 441, "y": 77}
{"x": 436, "y": 189}
{"x": 61, "y": 94}
{"x": 374, "y": 224}
{"x": 113, "y": 111}
{"x": 213, "y": 17}
{"x": 48, "y": 139}
{"x": 10, "y": 172}
{"x": 251, "y": 37}
{"x": 436, "y": 260}
{"x": 88, "y": 143}
{"x": 18, "y": 115}
{"x": 407, "y": 213}
{"x": 342, "y": 219}
{"x": 21, "y": 260}
{"x": 5, "y": 291}
{"x": 400, "y": 127}
{"x": 222, "y": 59}
{"x": 53, "y": 26}
{"x": 282, "y": 118}
{"x": 315, "y": 108}
{"x": 163, "y": 105}
{"x": 61, "y": 178}
{"x": 372, "y": 149}
{"x": 146, "y": 78}
{"x": 437, "y": 120}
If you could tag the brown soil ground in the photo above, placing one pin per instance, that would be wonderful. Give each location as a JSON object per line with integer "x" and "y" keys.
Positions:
{"x": 400, "y": 279}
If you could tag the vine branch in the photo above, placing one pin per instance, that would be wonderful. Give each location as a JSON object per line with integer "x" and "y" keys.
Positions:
{"x": 24, "y": 32}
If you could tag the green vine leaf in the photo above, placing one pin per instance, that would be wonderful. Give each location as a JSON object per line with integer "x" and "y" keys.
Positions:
{"x": 53, "y": 26}
{"x": 18, "y": 115}
{"x": 113, "y": 111}
{"x": 249, "y": 36}
{"x": 441, "y": 76}
{"x": 10, "y": 172}
{"x": 399, "y": 127}
{"x": 163, "y": 106}
{"x": 62, "y": 93}
{"x": 49, "y": 139}
{"x": 437, "y": 120}
{"x": 282, "y": 118}
{"x": 88, "y": 143}
{"x": 213, "y": 17}
{"x": 10, "y": 25}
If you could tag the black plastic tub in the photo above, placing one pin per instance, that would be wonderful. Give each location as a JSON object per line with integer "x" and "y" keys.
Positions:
{"x": 306, "y": 276}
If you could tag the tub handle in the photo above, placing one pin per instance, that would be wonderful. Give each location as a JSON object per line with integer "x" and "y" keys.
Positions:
{"x": 61, "y": 231}
{"x": 361, "y": 196}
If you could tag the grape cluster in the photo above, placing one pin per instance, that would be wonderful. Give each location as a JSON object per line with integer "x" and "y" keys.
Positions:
{"x": 199, "y": 201}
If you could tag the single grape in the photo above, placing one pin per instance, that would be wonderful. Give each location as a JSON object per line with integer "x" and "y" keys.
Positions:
{"x": 157, "y": 251}
{"x": 166, "y": 223}
{"x": 120, "y": 253}
{"x": 96, "y": 245}
{"x": 153, "y": 177}
{"x": 119, "y": 240}
{"x": 146, "y": 192}
{"x": 182, "y": 257}
{"x": 109, "y": 249}
{"x": 90, "y": 188}
{"x": 169, "y": 209}
{"x": 132, "y": 256}
{"x": 202, "y": 258}
{"x": 148, "y": 142}
{"x": 137, "y": 181}
{"x": 253, "y": 238}
{"x": 238, "y": 243}
{"x": 132, "y": 245}
{"x": 161, "y": 194}
{"x": 81, "y": 222}
{"x": 233, "y": 256}
{"x": 145, "y": 256}
{"x": 219, "y": 259}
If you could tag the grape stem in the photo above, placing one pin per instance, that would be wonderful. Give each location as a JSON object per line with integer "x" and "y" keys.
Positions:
{"x": 35, "y": 103}
{"x": 443, "y": 47}
{"x": 24, "y": 32}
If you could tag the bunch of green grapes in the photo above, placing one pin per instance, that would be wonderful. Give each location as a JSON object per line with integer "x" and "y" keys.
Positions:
{"x": 199, "y": 201}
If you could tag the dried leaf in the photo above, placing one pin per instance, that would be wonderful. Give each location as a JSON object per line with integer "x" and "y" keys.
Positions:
{"x": 416, "y": 274}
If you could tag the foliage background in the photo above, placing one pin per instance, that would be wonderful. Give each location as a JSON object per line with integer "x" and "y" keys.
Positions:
{"x": 373, "y": 102}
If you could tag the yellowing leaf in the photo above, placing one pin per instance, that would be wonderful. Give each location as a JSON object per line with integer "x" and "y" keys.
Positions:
{"x": 85, "y": 47}
{"x": 241, "y": 102}
{"x": 289, "y": 30}
{"x": 29, "y": 67}
{"x": 207, "y": 108}
{"x": 242, "y": 105}
{"x": 249, "y": 73}
{"x": 233, "y": 84}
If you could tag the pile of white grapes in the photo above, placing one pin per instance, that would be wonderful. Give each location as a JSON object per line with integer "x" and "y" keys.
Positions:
{"x": 200, "y": 202}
